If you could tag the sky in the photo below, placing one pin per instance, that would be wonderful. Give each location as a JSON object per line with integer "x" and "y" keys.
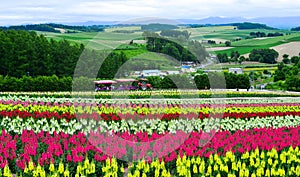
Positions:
{"x": 15, "y": 12}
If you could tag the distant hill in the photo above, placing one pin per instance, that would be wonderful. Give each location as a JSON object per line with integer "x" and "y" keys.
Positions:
{"x": 276, "y": 22}
{"x": 247, "y": 25}
{"x": 240, "y": 26}
{"x": 296, "y": 29}
{"x": 158, "y": 27}
{"x": 56, "y": 28}
{"x": 279, "y": 22}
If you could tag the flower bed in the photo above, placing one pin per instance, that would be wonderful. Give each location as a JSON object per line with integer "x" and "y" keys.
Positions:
{"x": 89, "y": 137}
{"x": 44, "y": 149}
{"x": 154, "y": 94}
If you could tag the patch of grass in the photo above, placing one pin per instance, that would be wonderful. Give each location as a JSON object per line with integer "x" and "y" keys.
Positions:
{"x": 90, "y": 39}
{"x": 133, "y": 53}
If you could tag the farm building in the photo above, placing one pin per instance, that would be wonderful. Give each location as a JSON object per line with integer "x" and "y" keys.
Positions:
{"x": 188, "y": 63}
{"x": 154, "y": 72}
{"x": 236, "y": 70}
{"x": 172, "y": 72}
{"x": 187, "y": 69}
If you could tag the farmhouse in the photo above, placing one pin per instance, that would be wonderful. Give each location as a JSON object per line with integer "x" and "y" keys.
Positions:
{"x": 187, "y": 69}
{"x": 154, "y": 72}
{"x": 172, "y": 72}
{"x": 236, "y": 70}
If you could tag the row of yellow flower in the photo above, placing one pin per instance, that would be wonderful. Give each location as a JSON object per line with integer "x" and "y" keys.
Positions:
{"x": 145, "y": 110}
{"x": 250, "y": 164}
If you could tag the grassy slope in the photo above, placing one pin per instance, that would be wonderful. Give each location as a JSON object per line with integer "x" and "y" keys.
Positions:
{"x": 110, "y": 40}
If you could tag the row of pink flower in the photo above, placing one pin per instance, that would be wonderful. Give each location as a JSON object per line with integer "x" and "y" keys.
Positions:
{"x": 151, "y": 105}
{"x": 73, "y": 148}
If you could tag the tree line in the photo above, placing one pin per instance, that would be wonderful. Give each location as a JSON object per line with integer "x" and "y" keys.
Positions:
{"x": 259, "y": 55}
{"x": 55, "y": 84}
{"x": 176, "y": 33}
{"x": 40, "y": 83}
{"x": 263, "y": 34}
{"x": 202, "y": 81}
{"x": 296, "y": 29}
{"x": 248, "y": 25}
{"x": 51, "y": 27}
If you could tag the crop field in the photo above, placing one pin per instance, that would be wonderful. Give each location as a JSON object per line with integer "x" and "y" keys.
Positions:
{"x": 101, "y": 40}
{"x": 243, "y": 65}
{"x": 292, "y": 49}
{"x": 224, "y": 32}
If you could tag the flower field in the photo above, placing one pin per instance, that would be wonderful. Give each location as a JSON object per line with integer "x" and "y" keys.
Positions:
{"x": 57, "y": 135}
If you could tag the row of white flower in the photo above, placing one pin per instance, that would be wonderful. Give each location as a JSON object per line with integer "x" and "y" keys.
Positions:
{"x": 155, "y": 101}
{"x": 17, "y": 125}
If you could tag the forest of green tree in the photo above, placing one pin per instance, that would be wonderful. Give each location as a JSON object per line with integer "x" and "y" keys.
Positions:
{"x": 194, "y": 52}
{"x": 289, "y": 74}
{"x": 263, "y": 34}
{"x": 25, "y": 53}
{"x": 258, "y": 55}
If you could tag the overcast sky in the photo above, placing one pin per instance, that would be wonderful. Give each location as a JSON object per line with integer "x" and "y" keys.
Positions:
{"x": 66, "y": 11}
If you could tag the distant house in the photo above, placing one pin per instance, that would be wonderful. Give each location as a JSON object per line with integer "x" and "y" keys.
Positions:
{"x": 154, "y": 72}
{"x": 213, "y": 57}
{"x": 172, "y": 72}
{"x": 136, "y": 73}
{"x": 204, "y": 41}
{"x": 236, "y": 70}
{"x": 187, "y": 69}
{"x": 188, "y": 63}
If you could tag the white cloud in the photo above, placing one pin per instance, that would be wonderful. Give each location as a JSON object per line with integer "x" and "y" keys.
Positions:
{"x": 99, "y": 10}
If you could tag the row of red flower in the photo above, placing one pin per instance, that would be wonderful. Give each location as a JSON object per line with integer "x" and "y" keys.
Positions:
{"x": 146, "y": 105}
{"x": 74, "y": 148}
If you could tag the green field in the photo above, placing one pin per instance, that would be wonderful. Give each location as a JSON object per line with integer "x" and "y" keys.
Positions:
{"x": 99, "y": 41}
{"x": 224, "y": 32}
{"x": 118, "y": 40}
{"x": 247, "y": 45}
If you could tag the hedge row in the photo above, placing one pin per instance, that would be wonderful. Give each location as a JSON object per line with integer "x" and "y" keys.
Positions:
{"x": 58, "y": 84}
